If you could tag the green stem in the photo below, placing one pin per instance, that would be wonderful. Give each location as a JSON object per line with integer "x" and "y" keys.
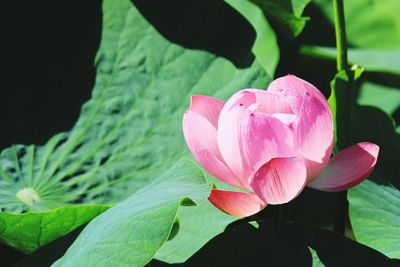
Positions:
{"x": 342, "y": 65}
{"x": 340, "y": 32}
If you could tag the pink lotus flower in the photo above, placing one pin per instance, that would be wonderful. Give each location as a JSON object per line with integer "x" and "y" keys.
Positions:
{"x": 271, "y": 144}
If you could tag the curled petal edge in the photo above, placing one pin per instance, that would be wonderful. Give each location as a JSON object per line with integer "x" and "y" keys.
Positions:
{"x": 347, "y": 168}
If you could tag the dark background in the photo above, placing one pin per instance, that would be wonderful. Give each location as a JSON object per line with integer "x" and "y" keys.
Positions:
{"x": 47, "y": 51}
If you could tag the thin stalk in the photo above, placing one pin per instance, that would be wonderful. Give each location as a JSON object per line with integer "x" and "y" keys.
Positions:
{"x": 339, "y": 216}
{"x": 342, "y": 65}
{"x": 340, "y": 32}
{"x": 284, "y": 212}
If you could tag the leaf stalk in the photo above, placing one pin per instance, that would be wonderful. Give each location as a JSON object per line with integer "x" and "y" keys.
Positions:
{"x": 342, "y": 65}
{"x": 340, "y": 32}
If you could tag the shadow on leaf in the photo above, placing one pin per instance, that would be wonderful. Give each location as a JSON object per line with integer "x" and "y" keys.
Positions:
{"x": 202, "y": 24}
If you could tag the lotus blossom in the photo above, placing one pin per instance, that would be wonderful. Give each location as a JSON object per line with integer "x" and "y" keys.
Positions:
{"x": 271, "y": 144}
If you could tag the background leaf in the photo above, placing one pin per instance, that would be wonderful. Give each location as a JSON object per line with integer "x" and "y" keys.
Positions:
{"x": 383, "y": 97}
{"x": 375, "y": 60}
{"x": 375, "y": 216}
{"x": 285, "y": 15}
{"x": 382, "y": 25}
{"x": 130, "y": 233}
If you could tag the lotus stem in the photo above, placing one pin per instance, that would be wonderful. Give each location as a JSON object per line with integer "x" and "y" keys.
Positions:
{"x": 340, "y": 32}
{"x": 284, "y": 212}
{"x": 342, "y": 65}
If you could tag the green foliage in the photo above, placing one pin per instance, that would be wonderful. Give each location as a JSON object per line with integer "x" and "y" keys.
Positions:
{"x": 286, "y": 15}
{"x": 375, "y": 216}
{"x": 130, "y": 233}
{"x": 265, "y": 47}
{"x": 370, "y": 24}
{"x": 340, "y": 102}
{"x": 29, "y": 231}
{"x": 316, "y": 262}
{"x": 373, "y": 60}
{"x": 130, "y": 130}
{"x": 383, "y": 97}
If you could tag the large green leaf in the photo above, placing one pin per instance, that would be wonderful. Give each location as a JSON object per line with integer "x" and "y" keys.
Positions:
{"x": 130, "y": 130}
{"x": 375, "y": 216}
{"x": 130, "y": 233}
{"x": 285, "y": 15}
{"x": 29, "y": 231}
{"x": 373, "y": 24}
{"x": 375, "y": 60}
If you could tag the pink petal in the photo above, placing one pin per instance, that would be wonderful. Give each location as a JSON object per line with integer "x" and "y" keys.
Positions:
{"x": 280, "y": 180}
{"x": 348, "y": 168}
{"x": 314, "y": 129}
{"x": 238, "y": 204}
{"x": 207, "y": 106}
{"x": 249, "y": 139}
{"x": 217, "y": 168}
{"x": 243, "y": 99}
{"x": 265, "y": 102}
{"x": 287, "y": 119}
{"x": 199, "y": 133}
{"x": 230, "y": 143}
{"x": 201, "y": 138}
{"x": 270, "y": 103}
{"x": 293, "y": 89}
{"x": 313, "y": 135}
